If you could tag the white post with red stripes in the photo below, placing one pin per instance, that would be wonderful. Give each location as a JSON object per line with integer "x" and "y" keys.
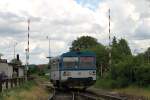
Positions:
{"x": 109, "y": 43}
{"x": 27, "y": 50}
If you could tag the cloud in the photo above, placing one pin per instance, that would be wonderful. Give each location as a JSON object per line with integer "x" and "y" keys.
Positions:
{"x": 143, "y": 31}
{"x": 66, "y": 20}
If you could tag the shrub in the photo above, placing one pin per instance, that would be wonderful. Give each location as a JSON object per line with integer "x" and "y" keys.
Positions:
{"x": 105, "y": 83}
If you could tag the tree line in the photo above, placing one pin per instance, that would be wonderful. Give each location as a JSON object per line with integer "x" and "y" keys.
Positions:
{"x": 126, "y": 69}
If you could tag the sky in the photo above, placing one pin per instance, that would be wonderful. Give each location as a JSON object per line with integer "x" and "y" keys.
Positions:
{"x": 65, "y": 20}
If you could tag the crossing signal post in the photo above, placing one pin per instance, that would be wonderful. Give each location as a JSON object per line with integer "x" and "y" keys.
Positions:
{"x": 109, "y": 43}
{"x": 27, "y": 50}
{"x": 49, "y": 65}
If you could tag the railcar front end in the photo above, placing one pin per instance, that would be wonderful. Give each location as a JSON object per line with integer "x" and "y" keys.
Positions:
{"x": 78, "y": 69}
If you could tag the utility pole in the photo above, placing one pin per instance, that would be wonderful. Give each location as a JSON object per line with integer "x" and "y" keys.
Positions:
{"x": 27, "y": 50}
{"x": 28, "y": 41}
{"x": 48, "y": 45}
{"x": 109, "y": 43}
{"x": 49, "y": 50}
{"x": 15, "y": 49}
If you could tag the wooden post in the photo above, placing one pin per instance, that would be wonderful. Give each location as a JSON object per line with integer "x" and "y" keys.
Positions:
{"x": 19, "y": 81}
{"x": 11, "y": 82}
{"x": 6, "y": 83}
{"x": 1, "y": 88}
{"x": 15, "y": 81}
{"x": 22, "y": 80}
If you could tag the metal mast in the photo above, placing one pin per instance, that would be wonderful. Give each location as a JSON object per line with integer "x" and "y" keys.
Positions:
{"x": 27, "y": 54}
{"x": 49, "y": 52}
{"x": 109, "y": 43}
{"x": 15, "y": 43}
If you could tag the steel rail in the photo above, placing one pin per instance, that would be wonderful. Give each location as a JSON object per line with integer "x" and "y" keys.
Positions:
{"x": 86, "y": 95}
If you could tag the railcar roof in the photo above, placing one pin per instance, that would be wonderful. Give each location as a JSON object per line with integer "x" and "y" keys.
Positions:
{"x": 77, "y": 53}
{"x": 54, "y": 58}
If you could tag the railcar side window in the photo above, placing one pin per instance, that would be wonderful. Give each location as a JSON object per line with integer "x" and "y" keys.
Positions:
{"x": 86, "y": 62}
{"x": 70, "y": 62}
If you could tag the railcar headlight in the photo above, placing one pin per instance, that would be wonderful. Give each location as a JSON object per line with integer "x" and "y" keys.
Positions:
{"x": 92, "y": 72}
{"x": 66, "y": 73}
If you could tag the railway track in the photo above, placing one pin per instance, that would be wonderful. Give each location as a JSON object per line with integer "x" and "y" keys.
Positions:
{"x": 72, "y": 94}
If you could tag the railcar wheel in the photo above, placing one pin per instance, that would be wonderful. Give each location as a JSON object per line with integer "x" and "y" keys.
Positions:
{"x": 58, "y": 84}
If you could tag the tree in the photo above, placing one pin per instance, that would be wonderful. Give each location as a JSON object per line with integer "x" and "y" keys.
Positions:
{"x": 139, "y": 59}
{"x": 123, "y": 47}
{"x": 83, "y": 42}
{"x": 142, "y": 75}
{"x": 119, "y": 50}
{"x": 32, "y": 68}
{"x": 114, "y": 42}
{"x": 147, "y": 55}
{"x": 101, "y": 56}
{"x": 116, "y": 57}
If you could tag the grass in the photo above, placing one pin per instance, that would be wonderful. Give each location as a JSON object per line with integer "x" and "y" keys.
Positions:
{"x": 104, "y": 84}
{"x": 108, "y": 84}
{"x": 28, "y": 91}
{"x": 134, "y": 90}
{"x": 45, "y": 77}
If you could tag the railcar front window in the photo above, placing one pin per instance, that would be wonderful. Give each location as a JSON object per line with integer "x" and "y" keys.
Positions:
{"x": 70, "y": 62}
{"x": 86, "y": 62}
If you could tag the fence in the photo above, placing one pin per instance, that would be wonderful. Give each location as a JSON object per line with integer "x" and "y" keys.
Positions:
{"x": 10, "y": 83}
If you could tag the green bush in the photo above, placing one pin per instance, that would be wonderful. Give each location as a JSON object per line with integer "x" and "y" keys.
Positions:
{"x": 142, "y": 75}
{"x": 122, "y": 72}
{"x": 105, "y": 83}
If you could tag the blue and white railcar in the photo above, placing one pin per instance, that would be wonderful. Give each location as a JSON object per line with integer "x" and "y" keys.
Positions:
{"x": 74, "y": 69}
